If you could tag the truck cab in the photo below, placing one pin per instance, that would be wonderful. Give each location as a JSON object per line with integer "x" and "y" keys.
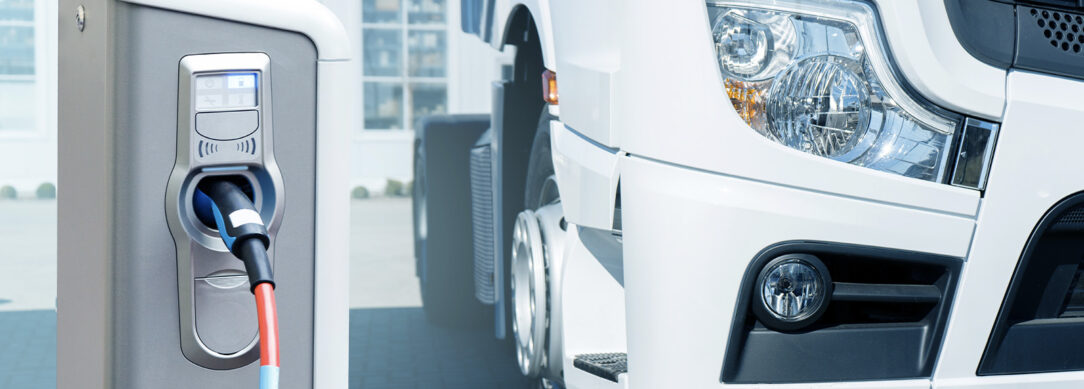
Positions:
{"x": 747, "y": 193}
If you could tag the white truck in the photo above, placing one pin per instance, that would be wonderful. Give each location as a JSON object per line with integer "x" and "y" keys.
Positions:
{"x": 843, "y": 193}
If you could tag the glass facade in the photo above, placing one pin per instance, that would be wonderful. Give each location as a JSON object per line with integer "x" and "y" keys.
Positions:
{"x": 405, "y": 62}
{"x": 383, "y": 52}
{"x": 426, "y": 12}
{"x": 427, "y": 53}
{"x": 17, "y": 89}
{"x": 383, "y": 105}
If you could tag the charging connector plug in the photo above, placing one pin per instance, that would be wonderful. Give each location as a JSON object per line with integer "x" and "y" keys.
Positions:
{"x": 239, "y": 224}
{"x": 245, "y": 235}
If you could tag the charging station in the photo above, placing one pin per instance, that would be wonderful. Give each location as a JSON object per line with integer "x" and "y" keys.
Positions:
{"x": 156, "y": 98}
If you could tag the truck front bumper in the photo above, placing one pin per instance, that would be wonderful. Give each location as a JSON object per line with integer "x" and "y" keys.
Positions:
{"x": 691, "y": 235}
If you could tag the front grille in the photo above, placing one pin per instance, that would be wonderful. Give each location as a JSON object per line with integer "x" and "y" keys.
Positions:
{"x": 1071, "y": 223}
{"x": 1040, "y": 317}
{"x": 1074, "y": 299}
{"x": 481, "y": 195}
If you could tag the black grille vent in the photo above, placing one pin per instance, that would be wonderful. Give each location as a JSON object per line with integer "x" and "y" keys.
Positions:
{"x": 481, "y": 195}
{"x": 1038, "y": 328}
{"x": 1074, "y": 217}
{"x": 1062, "y": 29}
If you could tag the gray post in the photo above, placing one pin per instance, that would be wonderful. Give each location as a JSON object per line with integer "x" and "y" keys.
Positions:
{"x": 85, "y": 196}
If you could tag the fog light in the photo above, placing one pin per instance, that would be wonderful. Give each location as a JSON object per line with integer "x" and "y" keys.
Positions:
{"x": 792, "y": 292}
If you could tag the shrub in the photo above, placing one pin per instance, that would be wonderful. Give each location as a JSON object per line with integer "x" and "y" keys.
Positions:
{"x": 359, "y": 192}
{"x": 393, "y": 188}
{"x": 8, "y": 192}
{"x": 409, "y": 190}
{"x": 46, "y": 191}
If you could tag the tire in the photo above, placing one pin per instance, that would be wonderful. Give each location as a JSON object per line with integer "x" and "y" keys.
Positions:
{"x": 443, "y": 240}
{"x": 540, "y": 190}
{"x": 540, "y": 167}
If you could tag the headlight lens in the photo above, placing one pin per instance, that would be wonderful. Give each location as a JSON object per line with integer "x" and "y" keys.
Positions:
{"x": 814, "y": 78}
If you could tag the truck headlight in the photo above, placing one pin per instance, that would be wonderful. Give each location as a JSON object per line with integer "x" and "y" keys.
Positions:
{"x": 816, "y": 78}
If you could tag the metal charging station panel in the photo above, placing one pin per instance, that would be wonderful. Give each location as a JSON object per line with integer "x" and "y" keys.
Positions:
{"x": 151, "y": 301}
{"x": 181, "y": 298}
{"x": 224, "y": 131}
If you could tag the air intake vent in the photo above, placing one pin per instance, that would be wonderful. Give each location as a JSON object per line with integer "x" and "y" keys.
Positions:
{"x": 1039, "y": 327}
{"x": 481, "y": 195}
{"x": 882, "y": 299}
{"x": 1074, "y": 300}
{"x": 1061, "y": 28}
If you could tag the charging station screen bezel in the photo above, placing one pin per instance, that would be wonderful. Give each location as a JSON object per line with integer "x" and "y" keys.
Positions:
{"x": 226, "y": 91}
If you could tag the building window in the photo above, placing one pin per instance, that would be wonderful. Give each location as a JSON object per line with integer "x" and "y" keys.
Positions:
{"x": 17, "y": 66}
{"x": 405, "y": 62}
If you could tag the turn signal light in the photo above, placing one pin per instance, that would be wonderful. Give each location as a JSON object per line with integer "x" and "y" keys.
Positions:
{"x": 549, "y": 86}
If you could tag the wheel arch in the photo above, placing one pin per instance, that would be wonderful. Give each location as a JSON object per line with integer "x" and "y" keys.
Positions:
{"x": 514, "y": 18}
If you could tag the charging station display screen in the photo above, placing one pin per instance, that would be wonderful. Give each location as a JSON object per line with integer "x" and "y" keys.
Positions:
{"x": 226, "y": 90}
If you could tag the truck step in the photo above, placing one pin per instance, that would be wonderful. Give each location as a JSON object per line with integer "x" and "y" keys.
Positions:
{"x": 604, "y": 365}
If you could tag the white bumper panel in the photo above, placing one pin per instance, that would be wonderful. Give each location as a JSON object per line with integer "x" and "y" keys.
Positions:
{"x": 1037, "y": 162}
{"x": 689, "y": 236}
{"x": 587, "y": 177}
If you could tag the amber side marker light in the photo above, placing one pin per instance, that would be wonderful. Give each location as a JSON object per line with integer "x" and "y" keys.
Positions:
{"x": 549, "y": 86}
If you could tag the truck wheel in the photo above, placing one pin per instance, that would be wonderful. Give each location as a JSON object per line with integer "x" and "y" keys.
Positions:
{"x": 537, "y": 244}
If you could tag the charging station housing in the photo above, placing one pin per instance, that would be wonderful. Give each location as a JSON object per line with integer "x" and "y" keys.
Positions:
{"x": 146, "y": 295}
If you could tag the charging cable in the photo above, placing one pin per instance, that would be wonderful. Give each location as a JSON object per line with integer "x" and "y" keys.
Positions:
{"x": 230, "y": 209}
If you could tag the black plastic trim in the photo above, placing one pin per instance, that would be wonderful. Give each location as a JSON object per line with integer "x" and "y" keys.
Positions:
{"x": 889, "y": 293}
{"x": 1036, "y": 341}
{"x": 986, "y": 29}
{"x": 1039, "y": 53}
{"x": 846, "y": 352}
{"x": 1024, "y": 34}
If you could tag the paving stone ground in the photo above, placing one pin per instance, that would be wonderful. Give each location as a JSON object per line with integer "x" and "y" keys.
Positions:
{"x": 397, "y": 348}
{"x": 391, "y": 343}
{"x": 28, "y": 349}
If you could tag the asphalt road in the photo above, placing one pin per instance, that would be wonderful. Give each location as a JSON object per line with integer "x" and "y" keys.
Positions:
{"x": 391, "y": 343}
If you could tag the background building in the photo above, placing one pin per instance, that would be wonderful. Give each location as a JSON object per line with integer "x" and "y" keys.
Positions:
{"x": 415, "y": 61}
